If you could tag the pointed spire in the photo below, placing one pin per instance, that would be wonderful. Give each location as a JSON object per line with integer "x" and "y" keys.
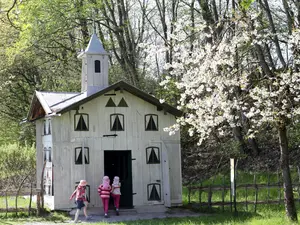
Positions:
{"x": 95, "y": 46}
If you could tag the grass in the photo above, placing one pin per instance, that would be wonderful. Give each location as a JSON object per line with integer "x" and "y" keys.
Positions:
{"x": 265, "y": 214}
{"x": 22, "y": 202}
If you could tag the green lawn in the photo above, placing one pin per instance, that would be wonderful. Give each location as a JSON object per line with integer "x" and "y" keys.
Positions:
{"x": 22, "y": 202}
{"x": 265, "y": 214}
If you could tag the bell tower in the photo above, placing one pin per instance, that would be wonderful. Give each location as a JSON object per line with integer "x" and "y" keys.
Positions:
{"x": 94, "y": 75}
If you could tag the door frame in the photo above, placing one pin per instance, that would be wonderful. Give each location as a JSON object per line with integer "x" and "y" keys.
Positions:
{"x": 128, "y": 154}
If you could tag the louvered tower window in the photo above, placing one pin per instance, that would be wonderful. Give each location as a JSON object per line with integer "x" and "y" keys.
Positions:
{"x": 97, "y": 66}
{"x": 81, "y": 122}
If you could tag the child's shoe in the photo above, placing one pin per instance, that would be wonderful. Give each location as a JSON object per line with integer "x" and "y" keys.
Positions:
{"x": 88, "y": 217}
{"x": 105, "y": 215}
{"x": 117, "y": 212}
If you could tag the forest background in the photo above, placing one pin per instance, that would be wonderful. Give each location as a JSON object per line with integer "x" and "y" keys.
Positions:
{"x": 232, "y": 66}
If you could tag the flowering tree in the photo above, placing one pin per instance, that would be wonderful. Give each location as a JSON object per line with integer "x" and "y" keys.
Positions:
{"x": 242, "y": 70}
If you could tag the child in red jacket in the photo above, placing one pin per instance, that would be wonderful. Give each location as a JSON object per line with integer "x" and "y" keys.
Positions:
{"x": 79, "y": 195}
{"x": 104, "y": 193}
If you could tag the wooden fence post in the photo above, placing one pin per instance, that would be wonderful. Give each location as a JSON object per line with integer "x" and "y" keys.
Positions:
{"x": 246, "y": 197}
{"x": 209, "y": 197}
{"x": 223, "y": 193}
{"x": 200, "y": 194}
{"x": 189, "y": 195}
{"x": 30, "y": 200}
{"x": 256, "y": 193}
{"x": 279, "y": 187}
{"x": 268, "y": 187}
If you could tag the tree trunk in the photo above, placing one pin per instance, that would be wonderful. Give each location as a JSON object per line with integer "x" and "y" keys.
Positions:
{"x": 30, "y": 199}
{"x": 42, "y": 185}
{"x": 18, "y": 193}
{"x": 286, "y": 174}
{"x": 238, "y": 136}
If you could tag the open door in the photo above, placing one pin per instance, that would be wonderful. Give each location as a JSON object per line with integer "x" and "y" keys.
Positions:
{"x": 118, "y": 163}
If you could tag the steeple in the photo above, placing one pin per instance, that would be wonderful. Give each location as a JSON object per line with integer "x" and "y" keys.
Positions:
{"x": 94, "y": 75}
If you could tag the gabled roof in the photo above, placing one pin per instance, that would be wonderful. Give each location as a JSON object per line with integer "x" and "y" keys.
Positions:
{"x": 57, "y": 103}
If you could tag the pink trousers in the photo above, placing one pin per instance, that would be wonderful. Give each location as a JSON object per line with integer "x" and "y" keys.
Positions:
{"x": 116, "y": 200}
{"x": 105, "y": 202}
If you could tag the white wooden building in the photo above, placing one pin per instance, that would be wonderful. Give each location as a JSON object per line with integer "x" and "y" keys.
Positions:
{"x": 113, "y": 130}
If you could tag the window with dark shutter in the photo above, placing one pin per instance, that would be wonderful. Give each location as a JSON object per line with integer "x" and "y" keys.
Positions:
{"x": 82, "y": 155}
{"x": 47, "y": 154}
{"x": 81, "y": 122}
{"x": 152, "y": 155}
{"x": 116, "y": 122}
{"x": 151, "y": 122}
{"x": 153, "y": 192}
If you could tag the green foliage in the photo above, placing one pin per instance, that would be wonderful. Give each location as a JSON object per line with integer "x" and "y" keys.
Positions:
{"x": 245, "y": 4}
{"x": 16, "y": 163}
{"x": 9, "y": 132}
{"x": 22, "y": 202}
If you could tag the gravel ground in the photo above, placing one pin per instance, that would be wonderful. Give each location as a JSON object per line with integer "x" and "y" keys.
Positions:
{"x": 126, "y": 216}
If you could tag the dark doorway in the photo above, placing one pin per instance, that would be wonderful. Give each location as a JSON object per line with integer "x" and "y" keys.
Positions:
{"x": 118, "y": 163}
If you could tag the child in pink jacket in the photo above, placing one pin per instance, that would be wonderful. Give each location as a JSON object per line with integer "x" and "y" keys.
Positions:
{"x": 104, "y": 193}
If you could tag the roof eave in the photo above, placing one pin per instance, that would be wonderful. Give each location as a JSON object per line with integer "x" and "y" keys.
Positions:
{"x": 131, "y": 89}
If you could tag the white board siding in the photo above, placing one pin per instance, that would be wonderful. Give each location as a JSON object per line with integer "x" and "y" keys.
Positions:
{"x": 173, "y": 149}
{"x": 133, "y": 138}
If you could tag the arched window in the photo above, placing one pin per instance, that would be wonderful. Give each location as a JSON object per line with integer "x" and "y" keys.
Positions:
{"x": 97, "y": 66}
